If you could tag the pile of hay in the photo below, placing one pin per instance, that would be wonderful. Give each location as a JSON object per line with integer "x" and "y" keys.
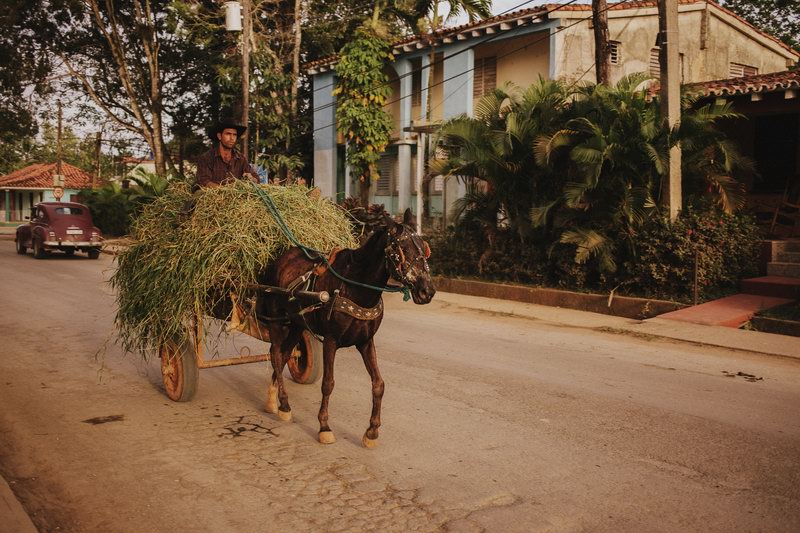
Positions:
{"x": 181, "y": 265}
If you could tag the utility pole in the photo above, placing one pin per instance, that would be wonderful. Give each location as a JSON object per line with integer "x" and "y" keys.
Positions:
{"x": 670, "y": 96}
{"x": 98, "y": 142}
{"x": 58, "y": 143}
{"x": 247, "y": 30}
{"x": 601, "y": 50}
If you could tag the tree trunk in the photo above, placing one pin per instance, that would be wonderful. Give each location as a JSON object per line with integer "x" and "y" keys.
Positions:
{"x": 247, "y": 31}
{"x": 364, "y": 190}
{"x": 299, "y": 13}
{"x": 601, "y": 49}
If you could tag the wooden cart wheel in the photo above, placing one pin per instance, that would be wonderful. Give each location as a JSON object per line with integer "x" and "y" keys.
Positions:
{"x": 305, "y": 364}
{"x": 179, "y": 371}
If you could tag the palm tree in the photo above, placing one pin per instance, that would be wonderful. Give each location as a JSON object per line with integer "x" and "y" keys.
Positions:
{"x": 710, "y": 161}
{"x": 492, "y": 153}
{"x": 610, "y": 158}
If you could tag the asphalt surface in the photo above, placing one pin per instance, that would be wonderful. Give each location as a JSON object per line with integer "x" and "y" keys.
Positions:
{"x": 491, "y": 422}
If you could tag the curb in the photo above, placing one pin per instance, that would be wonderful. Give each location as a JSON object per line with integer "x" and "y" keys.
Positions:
{"x": 624, "y": 306}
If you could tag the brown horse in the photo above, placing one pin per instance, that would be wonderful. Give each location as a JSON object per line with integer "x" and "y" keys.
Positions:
{"x": 353, "y": 315}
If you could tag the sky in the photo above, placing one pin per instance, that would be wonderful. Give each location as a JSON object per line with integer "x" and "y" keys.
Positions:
{"x": 502, "y": 6}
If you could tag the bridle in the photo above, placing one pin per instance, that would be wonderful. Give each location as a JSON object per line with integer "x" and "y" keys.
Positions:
{"x": 400, "y": 269}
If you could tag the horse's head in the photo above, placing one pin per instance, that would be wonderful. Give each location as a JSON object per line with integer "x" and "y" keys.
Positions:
{"x": 407, "y": 258}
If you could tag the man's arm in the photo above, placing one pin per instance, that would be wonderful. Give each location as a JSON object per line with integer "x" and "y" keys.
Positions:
{"x": 204, "y": 172}
{"x": 250, "y": 172}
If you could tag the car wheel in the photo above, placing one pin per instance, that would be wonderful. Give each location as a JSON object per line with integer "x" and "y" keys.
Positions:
{"x": 20, "y": 248}
{"x": 94, "y": 253}
{"x": 70, "y": 251}
{"x": 38, "y": 249}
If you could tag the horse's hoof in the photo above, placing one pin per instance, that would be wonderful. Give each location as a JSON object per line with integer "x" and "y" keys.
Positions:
{"x": 368, "y": 442}
{"x": 326, "y": 437}
{"x": 271, "y": 407}
{"x": 286, "y": 416}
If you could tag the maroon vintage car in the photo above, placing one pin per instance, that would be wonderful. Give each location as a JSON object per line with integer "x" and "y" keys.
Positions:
{"x": 65, "y": 226}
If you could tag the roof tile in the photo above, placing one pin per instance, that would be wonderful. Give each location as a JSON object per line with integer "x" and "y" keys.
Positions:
{"x": 40, "y": 175}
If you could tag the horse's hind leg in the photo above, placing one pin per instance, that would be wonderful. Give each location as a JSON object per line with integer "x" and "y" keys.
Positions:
{"x": 283, "y": 340}
{"x": 367, "y": 349}
{"x": 328, "y": 356}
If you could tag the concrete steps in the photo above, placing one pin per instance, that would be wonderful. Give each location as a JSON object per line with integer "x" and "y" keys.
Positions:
{"x": 783, "y": 269}
{"x": 780, "y": 286}
{"x": 774, "y": 286}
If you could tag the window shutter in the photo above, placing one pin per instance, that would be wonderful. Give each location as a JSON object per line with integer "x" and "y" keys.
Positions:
{"x": 489, "y": 74}
{"x": 484, "y": 78}
{"x": 477, "y": 81}
{"x": 737, "y": 70}
{"x": 383, "y": 186}
{"x": 655, "y": 63}
{"x": 615, "y": 52}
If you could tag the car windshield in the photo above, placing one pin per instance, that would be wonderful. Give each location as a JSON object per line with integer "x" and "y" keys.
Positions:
{"x": 69, "y": 211}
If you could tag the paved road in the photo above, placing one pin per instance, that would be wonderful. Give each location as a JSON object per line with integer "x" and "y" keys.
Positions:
{"x": 491, "y": 423}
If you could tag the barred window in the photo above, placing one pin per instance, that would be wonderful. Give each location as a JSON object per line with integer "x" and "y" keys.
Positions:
{"x": 615, "y": 52}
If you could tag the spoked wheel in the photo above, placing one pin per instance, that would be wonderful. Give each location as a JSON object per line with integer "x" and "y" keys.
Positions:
{"x": 305, "y": 364}
{"x": 179, "y": 370}
{"x": 20, "y": 248}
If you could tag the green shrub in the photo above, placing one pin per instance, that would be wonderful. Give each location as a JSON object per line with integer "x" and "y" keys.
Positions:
{"x": 727, "y": 248}
{"x": 661, "y": 266}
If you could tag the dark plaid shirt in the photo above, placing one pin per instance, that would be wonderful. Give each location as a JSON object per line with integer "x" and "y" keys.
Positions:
{"x": 211, "y": 168}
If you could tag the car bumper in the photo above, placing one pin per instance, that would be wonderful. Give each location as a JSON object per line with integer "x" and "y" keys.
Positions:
{"x": 72, "y": 244}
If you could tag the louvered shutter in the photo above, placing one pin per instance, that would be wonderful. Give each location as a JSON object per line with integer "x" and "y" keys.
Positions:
{"x": 383, "y": 186}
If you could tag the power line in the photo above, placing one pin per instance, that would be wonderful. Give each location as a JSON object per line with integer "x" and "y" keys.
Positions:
{"x": 414, "y": 71}
{"x": 514, "y": 51}
{"x": 441, "y": 61}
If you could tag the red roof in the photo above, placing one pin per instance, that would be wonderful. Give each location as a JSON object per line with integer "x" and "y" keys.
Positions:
{"x": 776, "y": 81}
{"x": 40, "y": 176}
{"x": 544, "y": 10}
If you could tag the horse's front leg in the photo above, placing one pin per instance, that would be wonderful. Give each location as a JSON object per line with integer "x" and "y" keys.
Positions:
{"x": 367, "y": 349}
{"x": 283, "y": 341}
{"x": 328, "y": 355}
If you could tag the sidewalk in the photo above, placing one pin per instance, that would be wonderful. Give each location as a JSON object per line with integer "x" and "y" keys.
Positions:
{"x": 719, "y": 336}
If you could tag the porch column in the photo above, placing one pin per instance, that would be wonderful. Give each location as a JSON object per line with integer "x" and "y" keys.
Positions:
{"x": 7, "y": 205}
{"x": 404, "y": 171}
{"x": 325, "y": 134}
{"x": 458, "y": 100}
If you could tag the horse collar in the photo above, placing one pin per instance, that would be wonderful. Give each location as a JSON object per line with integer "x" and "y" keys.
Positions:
{"x": 348, "y": 307}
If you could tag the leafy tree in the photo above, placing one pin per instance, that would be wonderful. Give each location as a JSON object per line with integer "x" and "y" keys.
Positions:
{"x": 27, "y": 64}
{"x": 779, "y": 18}
{"x": 363, "y": 90}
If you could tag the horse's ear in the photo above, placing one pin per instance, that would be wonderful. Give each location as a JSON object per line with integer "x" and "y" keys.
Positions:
{"x": 408, "y": 217}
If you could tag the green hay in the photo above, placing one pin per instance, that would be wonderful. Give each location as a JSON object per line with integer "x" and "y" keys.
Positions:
{"x": 181, "y": 266}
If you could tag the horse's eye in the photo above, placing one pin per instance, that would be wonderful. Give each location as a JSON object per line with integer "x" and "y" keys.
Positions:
{"x": 427, "y": 250}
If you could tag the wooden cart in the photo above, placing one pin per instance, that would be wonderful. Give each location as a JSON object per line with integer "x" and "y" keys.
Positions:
{"x": 181, "y": 361}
